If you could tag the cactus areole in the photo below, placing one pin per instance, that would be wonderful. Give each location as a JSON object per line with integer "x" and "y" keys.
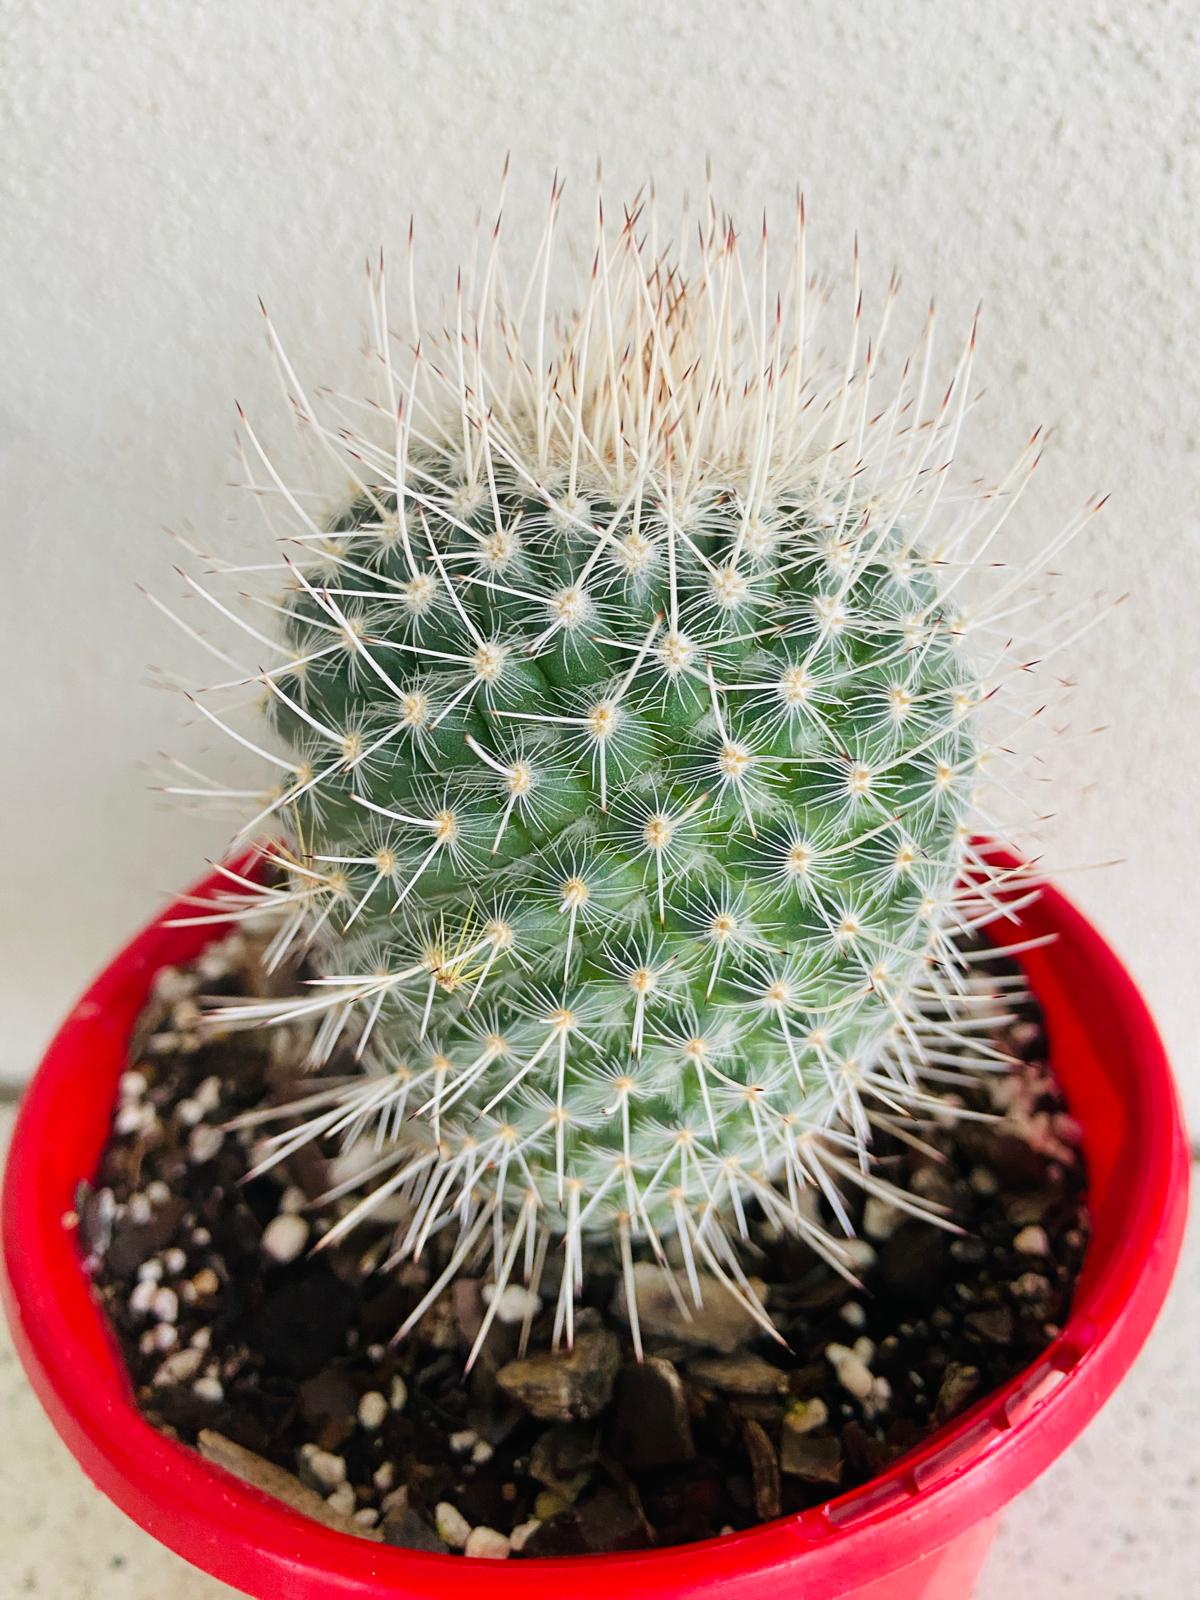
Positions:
{"x": 623, "y": 717}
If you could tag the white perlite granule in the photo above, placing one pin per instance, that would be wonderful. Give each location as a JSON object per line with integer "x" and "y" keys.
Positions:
{"x": 285, "y": 1236}
{"x": 453, "y": 1528}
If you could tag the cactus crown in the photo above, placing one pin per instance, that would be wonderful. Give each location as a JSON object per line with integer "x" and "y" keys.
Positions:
{"x": 627, "y": 746}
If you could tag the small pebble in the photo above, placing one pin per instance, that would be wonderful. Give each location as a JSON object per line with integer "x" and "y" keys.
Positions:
{"x": 453, "y": 1528}
{"x": 293, "y": 1198}
{"x": 285, "y": 1237}
{"x": 151, "y": 1270}
{"x": 131, "y": 1119}
{"x": 523, "y": 1532}
{"x": 852, "y": 1371}
{"x": 220, "y": 960}
{"x": 1032, "y": 1241}
{"x": 201, "y": 1339}
{"x": 384, "y": 1477}
{"x": 880, "y": 1220}
{"x": 165, "y": 1305}
{"x": 366, "y": 1518}
{"x": 164, "y": 1336}
{"x": 189, "y": 1112}
{"x": 132, "y": 1085}
{"x": 209, "y": 1389}
{"x": 853, "y": 1314}
{"x": 958, "y": 1385}
{"x": 342, "y": 1500}
{"x": 398, "y": 1394}
{"x": 204, "y": 1143}
{"x": 186, "y": 1016}
{"x": 141, "y": 1299}
{"x": 208, "y": 1095}
{"x": 372, "y": 1410}
{"x": 462, "y": 1441}
{"x": 326, "y": 1469}
{"x": 171, "y": 984}
{"x": 179, "y": 1367}
{"x": 859, "y": 1254}
{"x": 486, "y": 1543}
{"x": 481, "y": 1452}
{"x": 158, "y": 1192}
{"x": 174, "y": 1260}
{"x": 880, "y": 1397}
{"x": 514, "y": 1304}
{"x": 805, "y": 1415}
{"x": 983, "y": 1180}
{"x": 206, "y": 1283}
{"x": 139, "y": 1210}
{"x": 855, "y": 1377}
{"x": 1032, "y": 1286}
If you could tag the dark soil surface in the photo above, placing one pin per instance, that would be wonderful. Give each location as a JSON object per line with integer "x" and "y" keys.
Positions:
{"x": 276, "y": 1362}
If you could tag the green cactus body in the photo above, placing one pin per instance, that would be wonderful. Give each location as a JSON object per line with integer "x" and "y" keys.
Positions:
{"x": 658, "y": 798}
{"x": 629, "y": 745}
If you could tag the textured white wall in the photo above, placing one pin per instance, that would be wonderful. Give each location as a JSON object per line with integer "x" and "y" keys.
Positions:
{"x": 164, "y": 162}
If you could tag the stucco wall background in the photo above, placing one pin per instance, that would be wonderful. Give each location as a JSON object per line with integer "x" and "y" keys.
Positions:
{"x": 164, "y": 163}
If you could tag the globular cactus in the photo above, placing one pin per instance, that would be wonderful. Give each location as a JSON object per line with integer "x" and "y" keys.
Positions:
{"x": 626, "y": 744}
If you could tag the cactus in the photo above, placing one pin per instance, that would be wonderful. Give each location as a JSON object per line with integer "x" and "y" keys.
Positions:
{"x": 625, "y": 716}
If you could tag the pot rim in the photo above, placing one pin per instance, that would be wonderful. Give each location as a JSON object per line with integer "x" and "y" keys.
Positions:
{"x": 1138, "y": 1174}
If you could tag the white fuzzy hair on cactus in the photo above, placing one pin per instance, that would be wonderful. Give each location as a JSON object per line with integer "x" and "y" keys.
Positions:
{"x": 623, "y": 714}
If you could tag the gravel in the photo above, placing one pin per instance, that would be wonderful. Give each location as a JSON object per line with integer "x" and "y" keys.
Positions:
{"x": 278, "y": 1362}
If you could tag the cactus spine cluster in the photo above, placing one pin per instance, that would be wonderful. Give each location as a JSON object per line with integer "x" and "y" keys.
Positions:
{"x": 624, "y": 731}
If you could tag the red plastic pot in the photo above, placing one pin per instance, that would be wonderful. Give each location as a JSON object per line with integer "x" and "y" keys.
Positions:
{"x": 919, "y": 1532}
